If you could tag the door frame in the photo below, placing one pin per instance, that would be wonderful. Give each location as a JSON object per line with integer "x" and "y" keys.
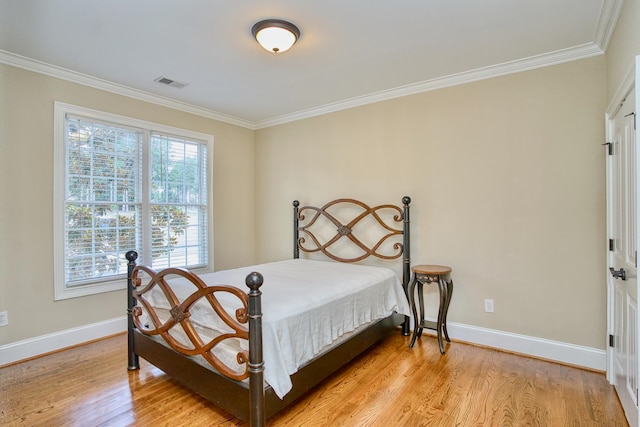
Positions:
{"x": 633, "y": 76}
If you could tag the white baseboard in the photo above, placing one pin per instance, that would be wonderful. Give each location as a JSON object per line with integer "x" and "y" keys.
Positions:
{"x": 21, "y": 350}
{"x": 572, "y": 354}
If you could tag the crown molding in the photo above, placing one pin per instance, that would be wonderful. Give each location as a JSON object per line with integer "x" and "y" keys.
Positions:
{"x": 94, "y": 82}
{"x": 511, "y": 67}
{"x": 607, "y": 21}
{"x": 605, "y": 27}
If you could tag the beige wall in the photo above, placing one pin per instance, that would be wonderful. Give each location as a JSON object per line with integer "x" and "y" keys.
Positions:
{"x": 507, "y": 181}
{"x": 26, "y": 203}
{"x": 624, "y": 46}
{"x": 506, "y": 176}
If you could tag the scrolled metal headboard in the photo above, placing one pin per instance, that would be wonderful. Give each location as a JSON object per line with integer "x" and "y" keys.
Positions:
{"x": 394, "y": 226}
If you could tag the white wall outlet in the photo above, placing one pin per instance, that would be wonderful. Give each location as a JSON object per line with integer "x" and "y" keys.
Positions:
{"x": 488, "y": 306}
{"x": 4, "y": 318}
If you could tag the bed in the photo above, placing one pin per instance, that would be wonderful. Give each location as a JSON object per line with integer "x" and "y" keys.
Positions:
{"x": 253, "y": 353}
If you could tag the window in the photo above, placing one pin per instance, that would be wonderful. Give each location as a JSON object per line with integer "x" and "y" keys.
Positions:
{"x": 122, "y": 184}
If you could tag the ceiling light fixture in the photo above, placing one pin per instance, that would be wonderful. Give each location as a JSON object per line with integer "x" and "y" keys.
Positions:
{"x": 275, "y": 35}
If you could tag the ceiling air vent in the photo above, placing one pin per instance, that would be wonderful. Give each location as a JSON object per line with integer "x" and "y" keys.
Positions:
{"x": 169, "y": 82}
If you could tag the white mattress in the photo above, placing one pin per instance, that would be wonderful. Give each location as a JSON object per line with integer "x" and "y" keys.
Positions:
{"x": 307, "y": 306}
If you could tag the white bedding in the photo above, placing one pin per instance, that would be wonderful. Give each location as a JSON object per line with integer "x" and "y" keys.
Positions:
{"x": 307, "y": 305}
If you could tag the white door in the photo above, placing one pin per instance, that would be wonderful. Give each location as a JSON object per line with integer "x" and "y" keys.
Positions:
{"x": 622, "y": 260}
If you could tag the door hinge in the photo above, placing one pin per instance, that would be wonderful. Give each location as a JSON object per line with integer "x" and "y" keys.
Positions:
{"x": 612, "y": 245}
{"x": 609, "y": 148}
{"x": 612, "y": 340}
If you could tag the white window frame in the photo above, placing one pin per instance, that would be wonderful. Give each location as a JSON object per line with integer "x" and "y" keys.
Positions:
{"x": 61, "y": 110}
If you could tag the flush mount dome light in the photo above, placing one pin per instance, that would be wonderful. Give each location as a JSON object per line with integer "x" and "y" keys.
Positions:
{"x": 275, "y": 35}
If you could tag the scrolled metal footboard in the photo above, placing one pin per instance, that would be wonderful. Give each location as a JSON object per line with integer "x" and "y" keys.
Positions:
{"x": 146, "y": 319}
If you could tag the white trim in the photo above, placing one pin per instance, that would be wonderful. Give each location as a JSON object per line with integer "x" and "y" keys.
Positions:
{"x": 609, "y": 227}
{"x": 607, "y": 21}
{"x": 561, "y": 56}
{"x": 621, "y": 93}
{"x": 618, "y": 98}
{"x": 21, "y": 350}
{"x": 97, "y": 83}
{"x": 61, "y": 291}
{"x": 511, "y": 67}
{"x": 572, "y": 354}
{"x": 61, "y": 109}
{"x": 130, "y": 121}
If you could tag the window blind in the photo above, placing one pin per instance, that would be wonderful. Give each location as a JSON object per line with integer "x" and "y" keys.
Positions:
{"x": 103, "y": 202}
{"x": 124, "y": 184}
{"x": 178, "y": 201}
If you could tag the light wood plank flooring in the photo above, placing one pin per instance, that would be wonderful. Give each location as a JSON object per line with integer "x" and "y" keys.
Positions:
{"x": 390, "y": 385}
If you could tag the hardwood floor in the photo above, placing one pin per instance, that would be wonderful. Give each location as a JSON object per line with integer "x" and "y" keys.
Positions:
{"x": 390, "y": 385}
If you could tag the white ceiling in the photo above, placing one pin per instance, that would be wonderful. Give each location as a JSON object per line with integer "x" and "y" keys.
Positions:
{"x": 350, "y": 52}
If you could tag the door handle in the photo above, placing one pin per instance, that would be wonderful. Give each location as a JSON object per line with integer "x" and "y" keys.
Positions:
{"x": 618, "y": 274}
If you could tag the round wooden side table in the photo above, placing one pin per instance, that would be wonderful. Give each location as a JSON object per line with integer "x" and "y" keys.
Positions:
{"x": 425, "y": 275}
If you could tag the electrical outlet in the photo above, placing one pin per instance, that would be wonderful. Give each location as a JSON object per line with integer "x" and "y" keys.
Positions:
{"x": 488, "y": 306}
{"x": 4, "y": 318}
